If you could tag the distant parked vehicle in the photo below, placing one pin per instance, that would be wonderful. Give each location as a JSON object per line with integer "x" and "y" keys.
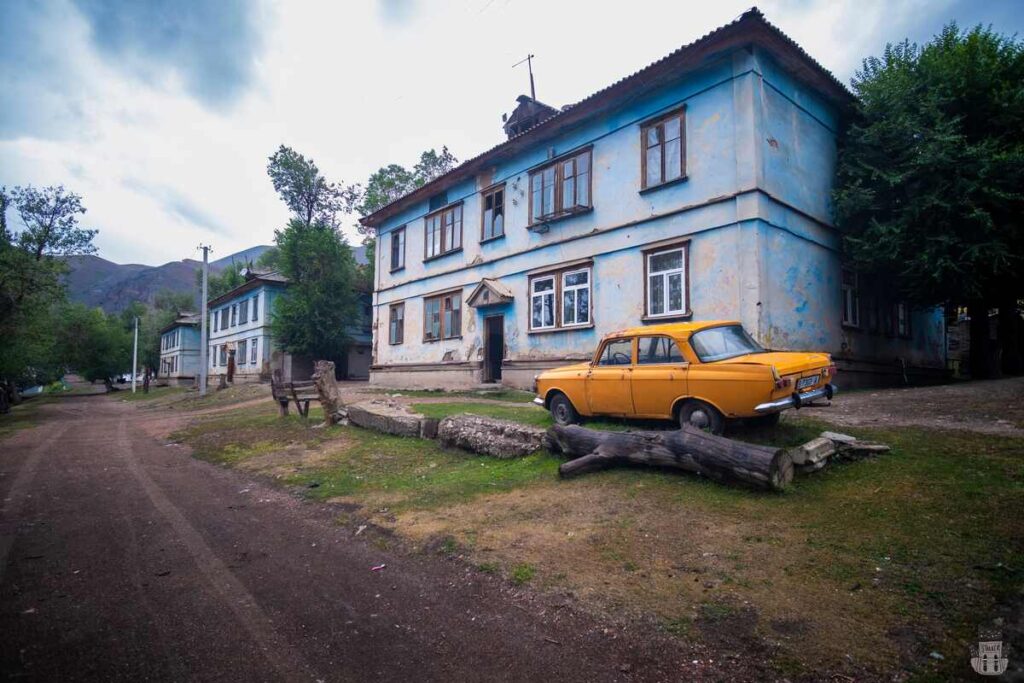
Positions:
{"x": 698, "y": 373}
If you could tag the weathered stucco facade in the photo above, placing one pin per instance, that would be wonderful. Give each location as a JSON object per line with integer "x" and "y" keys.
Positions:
{"x": 750, "y": 218}
{"x": 179, "y": 351}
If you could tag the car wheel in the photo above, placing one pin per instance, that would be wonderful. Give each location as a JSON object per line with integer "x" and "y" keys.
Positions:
{"x": 562, "y": 411}
{"x": 702, "y": 416}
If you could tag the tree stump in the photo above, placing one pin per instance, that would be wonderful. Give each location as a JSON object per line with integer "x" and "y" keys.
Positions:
{"x": 330, "y": 395}
{"x": 688, "y": 449}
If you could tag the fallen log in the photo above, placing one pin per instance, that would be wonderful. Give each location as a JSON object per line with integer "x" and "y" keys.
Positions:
{"x": 687, "y": 449}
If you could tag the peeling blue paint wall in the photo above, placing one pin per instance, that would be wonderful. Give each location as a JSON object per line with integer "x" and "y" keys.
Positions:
{"x": 755, "y": 207}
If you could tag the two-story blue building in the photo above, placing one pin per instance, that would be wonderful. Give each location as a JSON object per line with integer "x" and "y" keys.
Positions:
{"x": 179, "y": 350}
{"x": 697, "y": 188}
{"x": 240, "y": 333}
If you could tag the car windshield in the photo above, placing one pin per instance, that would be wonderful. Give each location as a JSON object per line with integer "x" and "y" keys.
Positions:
{"x": 719, "y": 343}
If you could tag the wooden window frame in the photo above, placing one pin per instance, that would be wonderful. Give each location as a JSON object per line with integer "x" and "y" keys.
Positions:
{"x": 441, "y": 298}
{"x": 557, "y": 165}
{"x": 396, "y": 231}
{"x": 225, "y": 318}
{"x": 254, "y": 350}
{"x": 558, "y": 274}
{"x": 243, "y": 352}
{"x": 484, "y": 195}
{"x": 854, "y": 290}
{"x": 659, "y": 249}
{"x": 440, "y": 214}
{"x": 680, "y": 113}
{"x": 399, "y": 338}
{"x": 255, "y": 308}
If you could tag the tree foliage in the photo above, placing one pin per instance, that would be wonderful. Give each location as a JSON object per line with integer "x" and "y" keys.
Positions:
{"x": 931, "y": 170}
{"x": 96, "y": 345}
{"x": 31, "y": 265}
{"x": 308, "y": 194}
{"x": 313, "y": 316}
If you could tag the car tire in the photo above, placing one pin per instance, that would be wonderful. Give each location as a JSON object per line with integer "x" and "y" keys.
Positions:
{"x": 702, "y": 416}
{"x": 562, "y": 411}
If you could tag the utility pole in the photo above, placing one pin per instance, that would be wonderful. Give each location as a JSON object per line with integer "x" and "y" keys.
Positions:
{"x": 135, "y": 354}
{"x": 204, "y": 361}
{"x": 529, "y": 65}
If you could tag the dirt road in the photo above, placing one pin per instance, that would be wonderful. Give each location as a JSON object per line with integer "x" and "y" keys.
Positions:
{"x": 123, "y": 558}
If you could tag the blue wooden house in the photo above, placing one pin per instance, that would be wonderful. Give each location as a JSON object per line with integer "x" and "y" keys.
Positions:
{"x": 696, "y": 188}
{"x": 179, "y": 350}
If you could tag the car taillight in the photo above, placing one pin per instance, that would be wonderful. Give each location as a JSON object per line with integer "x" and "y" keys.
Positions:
{"x": 783, "y": 382}
{"x": 829, "y": 371}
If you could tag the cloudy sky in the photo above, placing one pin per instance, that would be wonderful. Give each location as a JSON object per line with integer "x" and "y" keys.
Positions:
{"x": 161, "y": 113}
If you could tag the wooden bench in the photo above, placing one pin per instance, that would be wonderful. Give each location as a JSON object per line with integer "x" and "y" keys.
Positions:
{"x": 299, "y": 392}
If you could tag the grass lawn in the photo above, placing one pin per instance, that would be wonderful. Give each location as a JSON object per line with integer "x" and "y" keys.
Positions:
{"x": 867, "y": 565}
{"x": 22, "y": 416}
{"x": 530, "y": 414}
{"x": 154, "y": 393}
{"x": 507, "y": 395}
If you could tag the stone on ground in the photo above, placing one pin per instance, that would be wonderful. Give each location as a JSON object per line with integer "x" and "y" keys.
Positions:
{"x": 490, "y": 436}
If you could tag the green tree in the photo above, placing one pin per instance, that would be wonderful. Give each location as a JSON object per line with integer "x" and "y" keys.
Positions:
{"x": 308, "y": 194}
{"x": 313, "y": 315}
{"x": 31, "y": 265}
{"x": 96, "y": 345}
{"x": 931, "y": 172}
{"x": 388, "y": 184}
{"x": 222, "y": 282}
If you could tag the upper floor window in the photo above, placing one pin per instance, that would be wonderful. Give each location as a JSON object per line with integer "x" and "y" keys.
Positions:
{"x": 664, "y": 149}
{"x": 234, "y": 314}
{"x": 224, "y": 313}
{"x": 442, "y": 316}
{"x": 851, "y": 298}
{"x": 665, "y": 275}
{"x": 256, "y": 308}
{"x": 443, "y": 232}
{"x": 493, "y": 214}
{"x": 560, "y": 188}
{"x": 398, "y": 249}
{"x": 243, "y": 312}
{"x": 396, "y": 323}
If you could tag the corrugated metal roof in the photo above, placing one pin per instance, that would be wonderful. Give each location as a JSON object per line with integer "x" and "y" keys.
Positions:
{"x": 752, "y": 18}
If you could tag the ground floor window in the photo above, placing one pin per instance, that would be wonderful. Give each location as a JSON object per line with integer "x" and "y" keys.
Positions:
{"x": 223, "y": 354}
{"x": 442, "y": 316}
{"x": 851, "y": 298}
{"x": 396, "y": 323}
{"x": 242, "y": 355}
{"x": 561, "y": 299}
{"x": 252, "y": 350}
{"x": 665, "y": 278}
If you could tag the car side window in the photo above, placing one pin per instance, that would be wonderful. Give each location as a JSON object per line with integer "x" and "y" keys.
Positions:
{"x": 657, "y": 350}
{"x": 617, "y": 352}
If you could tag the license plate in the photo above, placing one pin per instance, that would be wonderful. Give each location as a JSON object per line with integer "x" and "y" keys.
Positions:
{"x": 805, "y": 382}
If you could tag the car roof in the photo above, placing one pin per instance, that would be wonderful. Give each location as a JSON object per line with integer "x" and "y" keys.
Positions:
{"x": 677, "y": 330}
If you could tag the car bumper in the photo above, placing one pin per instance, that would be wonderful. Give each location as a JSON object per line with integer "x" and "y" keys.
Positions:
{"x": 539, "y": 401}
{"x": 797, "y": 400}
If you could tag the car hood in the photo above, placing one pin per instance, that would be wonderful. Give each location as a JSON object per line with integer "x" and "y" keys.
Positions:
{"x": 574, "y": 368}
{"x": 786, "y": 362}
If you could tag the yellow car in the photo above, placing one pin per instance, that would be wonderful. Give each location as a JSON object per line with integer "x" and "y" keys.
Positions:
{"x": 699, "y": 373}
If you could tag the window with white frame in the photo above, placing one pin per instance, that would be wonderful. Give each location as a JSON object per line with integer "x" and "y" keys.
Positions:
{"x": 576, "y": 297}
{"x": 234, "y": 314}
{"x": 256, "y": 308}
{"x": 542, "y": 303}
{"x": 223, "y": 354}
{"x": 224, "y": 313}
{"x": 242, "y": 355}
{"x": 243, "y": 312}
{"x": 665, "y": 272}
{"x": 253, "y": 346}
{"x": 851, "y": 298}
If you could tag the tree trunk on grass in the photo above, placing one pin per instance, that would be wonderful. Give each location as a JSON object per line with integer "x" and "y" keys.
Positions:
{"x": 330, "y": 395}
{"x": 688, "y": 449}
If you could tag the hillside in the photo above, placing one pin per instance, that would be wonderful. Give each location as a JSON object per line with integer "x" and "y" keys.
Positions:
{"x": 95, "y": 281}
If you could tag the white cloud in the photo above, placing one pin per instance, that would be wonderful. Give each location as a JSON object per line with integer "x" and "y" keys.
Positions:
{"x": 355, "y": 87}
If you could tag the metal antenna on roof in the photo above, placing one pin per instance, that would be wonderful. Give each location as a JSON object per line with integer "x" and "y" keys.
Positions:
{"x": 529, "y": 65}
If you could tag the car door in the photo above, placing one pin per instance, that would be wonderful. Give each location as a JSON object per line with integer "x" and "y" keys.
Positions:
{"x": 659, "y": 376}
{"x": 609, "y": 391}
